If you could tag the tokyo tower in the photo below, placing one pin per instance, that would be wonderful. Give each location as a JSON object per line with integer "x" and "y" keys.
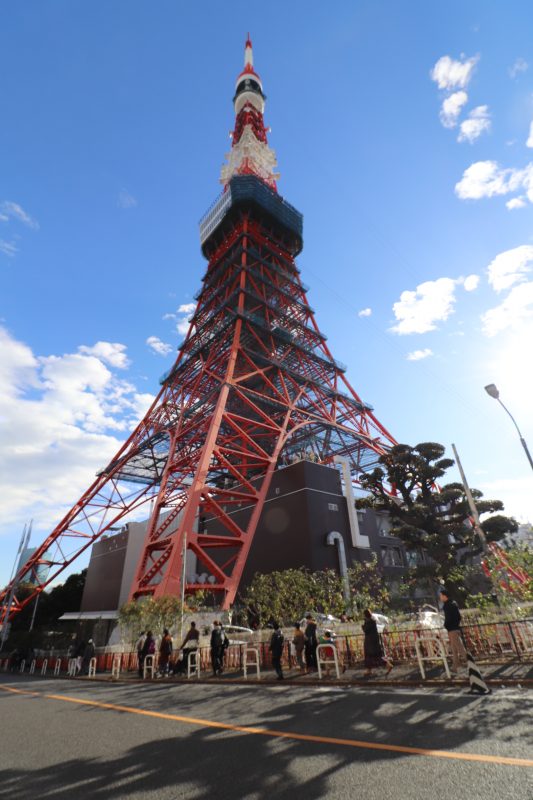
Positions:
{"x": 254, "y": 382}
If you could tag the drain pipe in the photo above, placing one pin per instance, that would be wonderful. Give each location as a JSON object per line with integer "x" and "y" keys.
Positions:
{"x": 334, "y": 538}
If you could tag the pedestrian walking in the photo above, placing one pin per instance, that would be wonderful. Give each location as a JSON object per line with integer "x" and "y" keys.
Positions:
{"x": 373, "y": 650}
{"x": 452, "y": 623}
{"x": 139, "y": 644}
{"x": 311, "y": 643}
{"x": 219, "y": 642}
{"x": 189, "y": 645}
{"x": 165, "y": 653}
{"x": 298, "y": 643}
{"x": 88, "y": 653}
{"x": 276, "y": 648}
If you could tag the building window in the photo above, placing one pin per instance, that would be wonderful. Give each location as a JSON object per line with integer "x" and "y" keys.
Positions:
{"x": 392, "y": 557}
{"x": 333, "y": 507}
{"x": 384, "y": 526}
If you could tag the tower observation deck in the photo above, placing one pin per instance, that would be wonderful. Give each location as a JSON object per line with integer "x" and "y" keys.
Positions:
{"x": 254, "y": 384}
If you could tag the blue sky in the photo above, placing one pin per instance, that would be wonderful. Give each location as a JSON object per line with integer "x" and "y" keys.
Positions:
{"x": 403, "y": 134}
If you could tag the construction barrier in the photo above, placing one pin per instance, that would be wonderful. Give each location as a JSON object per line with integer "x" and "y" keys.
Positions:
{"x": 194, "y": 664}
{"x": 329, "y": 651}
{"x": 72, "y": 667}
{"x": 431, "y": 648}
{"x": 92, "y": 667}
{"x": 57, "y": 667}
{"x": 32, "y": 667}
{"x": 115, "y": 669}
{"x": 255, "y": 663}
{"x": 149, "y": 666}
{"x": 22, "y": 665}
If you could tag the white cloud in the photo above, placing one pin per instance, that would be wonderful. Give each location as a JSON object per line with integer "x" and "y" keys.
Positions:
{"x": 159, "y": 347}
{"x": 61, "y": 419}
{"x": 488, "y": 179}
{"x": 8, "y": 248}
{"x": 12, "y": 210}
{"x": 169, "y": 316}
{"x": 470, "y": 283}
{"x": 512, "y": 313}
{"x": 365, "y": 312}
{"x": 451, "y": 74}
{"x": 112, "y": 353}
{"x": 516, "y": 202}
{"x": 510, "y": 267}
{"x": 418, "y": 355}
{"x": 478, "y": 121}
{"x": 529, "y": 142}
{"x": 186, "y": 308}
{"x": 126, "y": 200}
{"x": 520, "y": 65}
{"x": 451, "y": 108}
{"x": 418, "y": 311}
{"x": 182, "y": 326}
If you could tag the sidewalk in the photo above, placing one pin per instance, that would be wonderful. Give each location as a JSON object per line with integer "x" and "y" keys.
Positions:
{"x": 502, "y": 673}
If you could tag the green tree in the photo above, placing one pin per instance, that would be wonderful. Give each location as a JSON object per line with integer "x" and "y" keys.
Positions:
{"x": 149, "y": 614}
{"x": 430, "y": 518}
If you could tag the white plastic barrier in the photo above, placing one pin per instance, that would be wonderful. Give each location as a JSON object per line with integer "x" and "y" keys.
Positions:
{"x": 22, "y": 665}
{"x": 44, "y": 666}
{"x": 149, "y": 666}
{"x": 72, "y": 667}
{"x": 92, "y": 668}
{"x": 255, "y": 663}
{"x": 193, "y": 664}
{"x": 435, "y": 651}
{"x": 32, "y": 667}
{"x": 327, "y": 661}
{"x": 57, "y": 667}
{"x": 115, "y": 667}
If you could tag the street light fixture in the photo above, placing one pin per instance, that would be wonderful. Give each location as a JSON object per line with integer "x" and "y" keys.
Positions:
{"x": 492, "y": 390}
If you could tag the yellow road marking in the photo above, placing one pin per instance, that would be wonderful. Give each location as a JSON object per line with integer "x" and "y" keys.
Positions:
{"x": 304, "y": 737}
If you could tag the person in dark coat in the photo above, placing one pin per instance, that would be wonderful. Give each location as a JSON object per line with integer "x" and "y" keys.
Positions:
{"x": 311, "y": 643}
{"x": 276, "y": 648}
{"x": 219, "y": 642}
{"x": 374, "y": 656}
{"x": 165, "y": 654}
{"x": 452, "y": 623}
{"x": 88, "y": 653}
{"x": 189, "y": 645}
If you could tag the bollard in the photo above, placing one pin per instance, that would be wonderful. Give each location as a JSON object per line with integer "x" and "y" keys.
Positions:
{"x": 92, "y": 668}
{"x": 477, "y": 684}
{"x": 57, "y": 667}
{"x": 115, "y": 668}
{"x": 32, "y": 667}
{"x": 148, "y": 666}
{"x": 193, "y": 669}
{"x": 44, "y": 666}
{"x": 22, "y": 665}
{"x": 334, "y": 660}
{"x": 254, "y": 663}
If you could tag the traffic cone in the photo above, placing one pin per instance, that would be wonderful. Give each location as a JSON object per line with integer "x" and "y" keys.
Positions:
{"x": 477, "y": 684}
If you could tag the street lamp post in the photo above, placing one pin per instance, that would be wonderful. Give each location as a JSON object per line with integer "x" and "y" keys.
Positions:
{"x": 492, "y": 390}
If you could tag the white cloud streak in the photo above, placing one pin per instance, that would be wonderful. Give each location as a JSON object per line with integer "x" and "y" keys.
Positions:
{"x": 418, "y": 355}
{"x": 449, "y": 73}
{"x": 11, "y": 210}
{"x": 126, "y": 200}
{"x": 8, "y": 248}
{"x": 529, "y": 141}
{"x": 451, "y": 108}
{"x": 477, "y": 123}
{"x": 520, "y": 65}
{"x": 159, "y": 347}
{"x": 487, "y": 179}
{"x": 61, "y": 419}
{"x": 365, "y": 312}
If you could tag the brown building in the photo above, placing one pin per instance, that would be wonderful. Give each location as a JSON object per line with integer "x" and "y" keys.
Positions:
{"x": 305, "y": 504}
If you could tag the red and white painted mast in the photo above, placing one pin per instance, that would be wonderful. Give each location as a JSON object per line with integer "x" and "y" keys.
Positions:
{"x": 250, "y": 153}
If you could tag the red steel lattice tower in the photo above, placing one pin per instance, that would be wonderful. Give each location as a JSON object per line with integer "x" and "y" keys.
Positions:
{"x": 254, "y": 382}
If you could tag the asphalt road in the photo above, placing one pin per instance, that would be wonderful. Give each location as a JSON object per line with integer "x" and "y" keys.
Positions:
{"x": 58, "y": 741}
